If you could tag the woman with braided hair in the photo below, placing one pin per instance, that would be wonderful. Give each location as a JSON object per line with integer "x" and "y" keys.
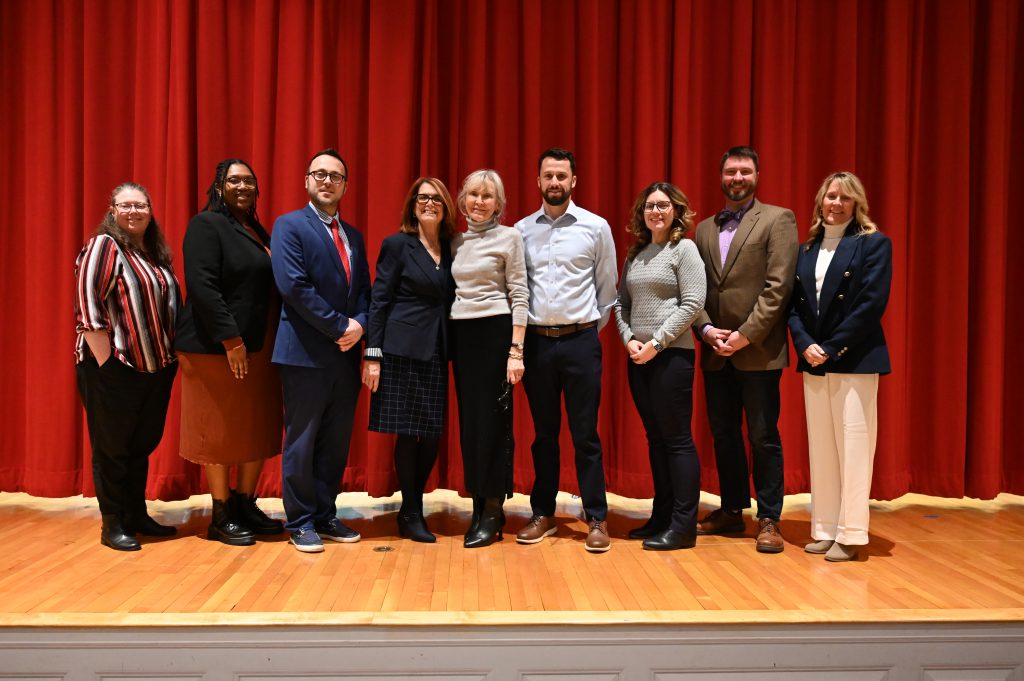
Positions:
{"x": 230, "y": 393}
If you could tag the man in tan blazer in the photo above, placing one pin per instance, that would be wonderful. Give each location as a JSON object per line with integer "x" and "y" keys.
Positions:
{"x": 749, "y": 251}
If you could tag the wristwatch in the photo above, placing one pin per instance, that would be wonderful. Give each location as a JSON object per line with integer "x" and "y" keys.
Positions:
{"x": 517, "y": 346}
{"x": 657, "y": 346}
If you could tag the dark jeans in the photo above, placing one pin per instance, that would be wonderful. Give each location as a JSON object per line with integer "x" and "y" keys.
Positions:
{"x": 571, "y": 366}
{"x": 126, "y": 411}
{"x": 731, "y": 392}
{"x": 663, "y": 392}
{"x": 319, "y": 407}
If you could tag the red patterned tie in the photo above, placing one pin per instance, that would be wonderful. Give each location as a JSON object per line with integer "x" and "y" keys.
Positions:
{"x": 342, "y": 251}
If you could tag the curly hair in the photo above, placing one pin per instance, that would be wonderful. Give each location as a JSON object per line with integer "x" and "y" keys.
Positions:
{"x": 153, "y": 243}
{"x": 681, "y": 225}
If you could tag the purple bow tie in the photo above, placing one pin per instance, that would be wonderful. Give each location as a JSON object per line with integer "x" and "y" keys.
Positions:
{"x": 725, "y": 215}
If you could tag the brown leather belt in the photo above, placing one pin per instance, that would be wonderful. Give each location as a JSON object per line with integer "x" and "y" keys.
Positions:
{"x": 559, "y": 331}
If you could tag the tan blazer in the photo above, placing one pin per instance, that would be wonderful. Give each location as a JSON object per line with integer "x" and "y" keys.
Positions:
{"x": 751, "y": 291}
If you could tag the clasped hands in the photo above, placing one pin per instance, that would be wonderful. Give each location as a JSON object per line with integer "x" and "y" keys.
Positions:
{"x": 725, "y": 342}
{"x": 814, "y": 355}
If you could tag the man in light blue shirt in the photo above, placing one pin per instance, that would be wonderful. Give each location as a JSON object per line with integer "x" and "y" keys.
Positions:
{"x": 570, "y": 262}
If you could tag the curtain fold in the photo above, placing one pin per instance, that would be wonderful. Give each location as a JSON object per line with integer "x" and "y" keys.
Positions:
{"x": 917, "y": 97}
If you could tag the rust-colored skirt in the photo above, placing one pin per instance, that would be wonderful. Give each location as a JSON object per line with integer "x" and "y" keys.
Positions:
{"x": 225, "y": 420}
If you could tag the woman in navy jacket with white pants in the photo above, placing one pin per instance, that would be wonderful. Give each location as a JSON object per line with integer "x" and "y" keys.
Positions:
{"x": 844, "y": 270}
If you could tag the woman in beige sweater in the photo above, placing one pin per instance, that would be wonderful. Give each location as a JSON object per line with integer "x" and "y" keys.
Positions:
{"x": 488, "y": 326}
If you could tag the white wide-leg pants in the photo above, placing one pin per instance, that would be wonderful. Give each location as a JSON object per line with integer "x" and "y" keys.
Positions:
{"x": 842, "y": 424}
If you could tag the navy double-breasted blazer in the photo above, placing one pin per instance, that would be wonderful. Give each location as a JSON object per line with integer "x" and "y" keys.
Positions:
{"x": 317, "y": 297}
{"x": 229, "y": 284}
{"x": 411, "y": 299}
{"x": 846, "y": 320}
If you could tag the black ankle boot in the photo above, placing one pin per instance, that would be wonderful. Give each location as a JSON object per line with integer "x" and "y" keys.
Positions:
{"x": 245, "y": 510}
{"x": 474, "y": 522}
{"x": 414, "y": 526}
{"x": 488, "y": 530}
{"x": 224, "y": 528}
{"x": 141, "y": 523}
{"x": 113, "y": 535}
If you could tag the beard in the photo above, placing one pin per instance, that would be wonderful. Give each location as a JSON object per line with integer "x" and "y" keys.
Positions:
{"x": 738, "y": 193}
{"x": 558, "y": 199}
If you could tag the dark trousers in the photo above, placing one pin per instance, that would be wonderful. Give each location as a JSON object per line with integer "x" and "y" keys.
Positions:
{"x": 731, "y": 392}
{"x": 125, "y": 410}
{"x": 570, "y": 365}
{"x": 480, "y": 365}
{"x": 319, "y": 406}
{"x": 663, "y": 392}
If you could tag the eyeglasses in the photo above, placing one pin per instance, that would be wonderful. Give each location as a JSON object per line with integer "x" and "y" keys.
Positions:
{"x": 660, "y": 206}
{"x": 424, "y": 199}
{"x": 321, "y": 175}
{"x": 128, "y": 207}
{"x": 240, "y": 181}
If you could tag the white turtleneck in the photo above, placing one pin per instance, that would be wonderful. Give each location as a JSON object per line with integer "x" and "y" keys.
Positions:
{"x": 829, "y": 243}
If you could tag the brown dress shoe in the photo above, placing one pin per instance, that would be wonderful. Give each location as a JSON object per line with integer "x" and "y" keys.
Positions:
{"x": 720, "y": 522}
{"x": 597, "y": 538}
{"x": 768, "y": 538}
{"x": 540, "y": 526}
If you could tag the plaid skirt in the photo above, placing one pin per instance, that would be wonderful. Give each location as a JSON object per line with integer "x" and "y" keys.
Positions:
{"x": 412, "y": 396}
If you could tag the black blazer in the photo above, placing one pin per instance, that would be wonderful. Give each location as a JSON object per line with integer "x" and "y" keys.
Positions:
{"x": 411, "y": 299}
{"x": 229, "y": 283}
{"x": 847, "y": 322}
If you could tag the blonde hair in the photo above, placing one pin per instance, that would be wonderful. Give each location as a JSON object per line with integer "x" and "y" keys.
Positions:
{"x": 480, "y": 178}
{"x": 851, "y": 185}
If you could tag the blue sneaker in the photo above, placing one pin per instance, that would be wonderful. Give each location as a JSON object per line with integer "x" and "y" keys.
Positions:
{"x": 335, "y": 530}
{"x": 307, "y": 541}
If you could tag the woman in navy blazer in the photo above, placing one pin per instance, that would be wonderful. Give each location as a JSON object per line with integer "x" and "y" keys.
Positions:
{"x": 844, "y": 270}
{"x": 406, "y": 364}
{"x": 230, "y": 395}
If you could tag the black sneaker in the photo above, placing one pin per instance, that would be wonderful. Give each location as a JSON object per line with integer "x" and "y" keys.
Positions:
{"x": 335, "y": 530}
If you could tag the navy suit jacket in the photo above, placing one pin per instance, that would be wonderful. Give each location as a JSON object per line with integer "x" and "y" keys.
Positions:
{"x": 847, "y": 319}
{"x": 317, "y": 298}
{"x": 411, "y": 299}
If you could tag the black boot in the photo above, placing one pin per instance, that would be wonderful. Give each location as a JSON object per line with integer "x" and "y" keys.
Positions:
{"x": 245, "y": 510}
{"x": 224, "y": 528}
{"x": 113, "y": 535}
{"x": 414, "y": 526}
{"x": 474, "y": 522}
{"x": 670, "y": 540}
{"x": 141, "y": 523}
{"x": 488, "y": 530}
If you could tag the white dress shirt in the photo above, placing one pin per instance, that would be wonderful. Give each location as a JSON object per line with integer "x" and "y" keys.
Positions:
{"x": 570, "y": 264}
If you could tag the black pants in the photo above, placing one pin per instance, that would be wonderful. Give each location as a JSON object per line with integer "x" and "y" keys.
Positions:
{"x": 570, "y": 365}
{"x": 125, "y": 410}
{"x": 480, "y": 365}
{"x": 731, "y": 392}
{"x": 663, "y": 392}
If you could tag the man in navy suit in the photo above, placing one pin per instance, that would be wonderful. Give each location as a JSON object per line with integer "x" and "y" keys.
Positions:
{"x": 320, "y": 268}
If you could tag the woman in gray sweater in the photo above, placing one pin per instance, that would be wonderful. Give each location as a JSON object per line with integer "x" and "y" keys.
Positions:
{"x": 488, "y": 325}
{"x": 661, "y": 290}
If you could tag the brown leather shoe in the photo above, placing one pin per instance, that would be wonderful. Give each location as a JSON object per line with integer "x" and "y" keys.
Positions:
{"x": 540, "y": 526}
{"x": 597, "y": 538}
{"x": 769, "y": 540}
{"x": 720, "y": 522}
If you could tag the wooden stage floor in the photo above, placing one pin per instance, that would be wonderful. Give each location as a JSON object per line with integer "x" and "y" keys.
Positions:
{"x": 930, "y": 560}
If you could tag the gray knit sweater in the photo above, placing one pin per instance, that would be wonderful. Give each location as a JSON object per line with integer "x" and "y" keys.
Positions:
{"x": 660, "y": 292}
{"x": 489, "y": 268}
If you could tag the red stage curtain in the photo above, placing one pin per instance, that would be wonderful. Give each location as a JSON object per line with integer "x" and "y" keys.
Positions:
{"x": 918, "y": 97}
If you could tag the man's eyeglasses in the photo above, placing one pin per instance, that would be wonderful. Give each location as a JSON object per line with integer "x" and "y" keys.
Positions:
{"x": 660, "y": 206}
{"x": 240, "y": 181}
{"x": 321, "y": 175}
{"x": 424, "y": 199}
{"x": 128, "y": 207}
